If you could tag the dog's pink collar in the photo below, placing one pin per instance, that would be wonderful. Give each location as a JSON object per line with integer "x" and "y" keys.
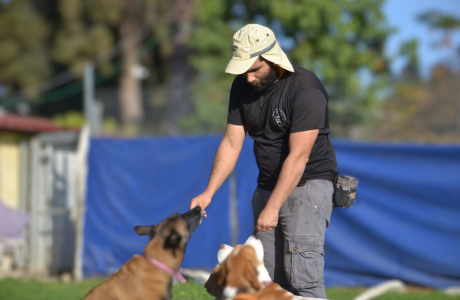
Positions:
{"x": 166, "y": 268}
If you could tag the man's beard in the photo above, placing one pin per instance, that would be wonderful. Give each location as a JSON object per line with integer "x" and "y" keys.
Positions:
{"x": 266, "y": 81}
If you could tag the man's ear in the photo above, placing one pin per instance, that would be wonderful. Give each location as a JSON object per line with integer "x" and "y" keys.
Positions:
{"x": 145, "y": 230}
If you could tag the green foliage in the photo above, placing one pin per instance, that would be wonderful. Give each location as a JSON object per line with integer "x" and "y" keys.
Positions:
{"x": 75, "y": 120}
{"x": 32, "y": 42}
{"x": 76, "y": 42}
{"x": 108, "y": 12}
{"x": 24, "y": 62}
{"x": 211, "y": 41}
{"x": 422, "y": 111}
{"x": 210, "y": 106}
{"x": 110, "y": 126}
{"x": 408, "y": 50}
{"x": 335, "y": 39}
{"x": 42, "y": 38}
{"x": 70, "y": 120}
{"x": 439, "y": 20}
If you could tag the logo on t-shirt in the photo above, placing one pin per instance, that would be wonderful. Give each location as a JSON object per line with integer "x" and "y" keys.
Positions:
{"x": 279, "y": 117}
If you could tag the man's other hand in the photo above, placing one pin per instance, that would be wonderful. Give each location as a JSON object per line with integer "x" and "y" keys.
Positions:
{"x": 202, "y": 200}
{"x": 268, "y": 219}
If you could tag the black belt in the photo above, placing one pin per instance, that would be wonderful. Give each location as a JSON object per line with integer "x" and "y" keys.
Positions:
{"x": 302, "y": 182}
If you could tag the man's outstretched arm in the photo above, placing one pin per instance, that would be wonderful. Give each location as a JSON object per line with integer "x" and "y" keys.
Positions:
{"x": 224, "y": 163}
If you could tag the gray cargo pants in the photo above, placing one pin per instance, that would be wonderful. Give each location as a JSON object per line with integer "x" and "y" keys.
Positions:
{"x": 294, "y": 250}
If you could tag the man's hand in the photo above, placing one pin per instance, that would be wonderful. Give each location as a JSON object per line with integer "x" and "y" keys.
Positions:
{"x": 202, "y": 200}
{"x": 268, "y": 219}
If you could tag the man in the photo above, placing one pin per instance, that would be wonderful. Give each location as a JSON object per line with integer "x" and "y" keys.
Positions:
{"x": 284, "y": 109}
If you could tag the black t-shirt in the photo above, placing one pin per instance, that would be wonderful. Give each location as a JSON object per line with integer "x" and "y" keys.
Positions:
{"x": 297, "y": 102}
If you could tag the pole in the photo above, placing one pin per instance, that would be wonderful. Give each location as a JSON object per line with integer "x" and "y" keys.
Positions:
{"x": 82, "y": 171}
{"x": 34, "y": 230}
{"x": 89, "y": 94}
{"x": 234, "y": 226}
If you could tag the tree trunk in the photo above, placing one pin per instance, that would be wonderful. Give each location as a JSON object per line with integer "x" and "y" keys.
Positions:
{"x": 180, "y": 101}
{"x": 130, "y": 95}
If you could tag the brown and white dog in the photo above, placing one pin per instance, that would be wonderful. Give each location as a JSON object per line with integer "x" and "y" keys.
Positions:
{"x": 240, "y": 270}
{"x": 241, "y": 275}
{"x": 149, "y": 276}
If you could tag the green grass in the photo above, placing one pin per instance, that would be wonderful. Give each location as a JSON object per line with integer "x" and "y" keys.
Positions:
{"x": 190, "y": 290}
{"x": 411, "y": 294}
{"x": 16, "y": 289}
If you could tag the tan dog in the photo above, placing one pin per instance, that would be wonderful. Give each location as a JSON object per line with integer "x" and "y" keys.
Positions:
{"x": 149, "y": 276}
{"x": 240, "y": 270}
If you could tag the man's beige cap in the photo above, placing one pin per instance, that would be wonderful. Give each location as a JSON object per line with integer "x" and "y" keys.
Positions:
{"x": 251, "y": 41}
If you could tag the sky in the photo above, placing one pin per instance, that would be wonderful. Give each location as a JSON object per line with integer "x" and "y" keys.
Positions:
{"x": 402, "y": 14}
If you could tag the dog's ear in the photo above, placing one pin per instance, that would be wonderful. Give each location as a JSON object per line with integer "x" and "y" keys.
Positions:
{"x": 222, "y": 274}
{"x": 251, "y": 275}
{"x": 212, "y": 286}
{"x": 173, "y": 239}
{"x": 145, "y": 230}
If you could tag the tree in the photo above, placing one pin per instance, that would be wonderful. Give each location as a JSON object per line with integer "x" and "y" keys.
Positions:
{"x": 40, "y": 38}
{"x": 130, "y": 86}
{"x": 335, "y": 39}
{"x": 422, "y": 111}
{"x": 24, "y": 61}
{"x": 439, "y": 20}
{"x": 211, "y": 42}
{"x": 78, "y": 42}
{"x": 408, "y": 50}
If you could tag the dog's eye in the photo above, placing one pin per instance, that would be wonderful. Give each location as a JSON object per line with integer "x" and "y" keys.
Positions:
{"x": 173, "y": 240}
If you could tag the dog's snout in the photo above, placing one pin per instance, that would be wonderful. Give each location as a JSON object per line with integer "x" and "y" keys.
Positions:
{"x": 193, "y": 218}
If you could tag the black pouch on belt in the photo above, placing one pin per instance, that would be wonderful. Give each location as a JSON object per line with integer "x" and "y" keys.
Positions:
{"x": 344, "y": 190}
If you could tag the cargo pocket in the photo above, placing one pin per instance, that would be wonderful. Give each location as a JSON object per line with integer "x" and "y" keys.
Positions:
{"x": 304, "y": 262}
{"x": 317, "y": 194}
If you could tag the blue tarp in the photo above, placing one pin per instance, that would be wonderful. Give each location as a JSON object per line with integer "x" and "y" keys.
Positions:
{"x": 141, "y": 182}
{"x": 404, "y": 224}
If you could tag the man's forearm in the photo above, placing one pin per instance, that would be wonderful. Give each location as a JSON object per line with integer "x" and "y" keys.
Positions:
{"x": 290, "y": 175}
{"x": 224, "y": 162}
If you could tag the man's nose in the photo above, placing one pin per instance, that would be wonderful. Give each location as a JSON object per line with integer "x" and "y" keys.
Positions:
{"x": 250, "y": 77}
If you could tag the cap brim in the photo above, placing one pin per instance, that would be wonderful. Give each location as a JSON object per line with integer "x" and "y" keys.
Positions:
{"x": 278, "y": 57}
{"x": 237, "y": 67}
